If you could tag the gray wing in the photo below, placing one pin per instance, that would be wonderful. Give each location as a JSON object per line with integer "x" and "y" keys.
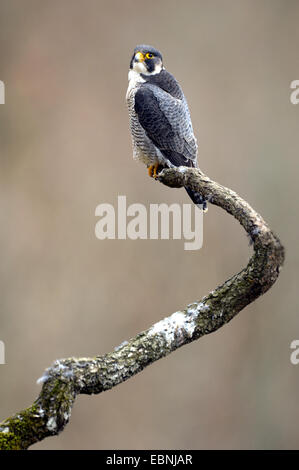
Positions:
{"x": 166, "y": 121}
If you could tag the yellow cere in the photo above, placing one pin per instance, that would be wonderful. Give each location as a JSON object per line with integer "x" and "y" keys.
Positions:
{"x": 139, "y": 56}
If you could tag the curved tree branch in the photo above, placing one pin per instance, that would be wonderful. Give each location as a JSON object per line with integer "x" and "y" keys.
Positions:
{"x": 67, "y": 378}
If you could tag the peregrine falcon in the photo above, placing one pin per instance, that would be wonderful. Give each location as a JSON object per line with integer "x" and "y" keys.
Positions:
{"x": 160, "y": 122}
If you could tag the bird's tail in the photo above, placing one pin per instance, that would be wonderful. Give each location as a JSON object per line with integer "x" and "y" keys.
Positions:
{"x": 197, "y": 199}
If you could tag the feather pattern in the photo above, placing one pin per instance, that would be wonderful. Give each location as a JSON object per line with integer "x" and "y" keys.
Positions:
{"x": 163, "y": 113}
{"x": 160, "y": 122}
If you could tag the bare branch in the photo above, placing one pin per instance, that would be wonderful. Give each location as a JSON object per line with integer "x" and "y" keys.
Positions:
{"x": 67, "y": 378}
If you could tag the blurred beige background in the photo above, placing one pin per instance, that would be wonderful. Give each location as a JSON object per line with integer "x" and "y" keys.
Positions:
{"x": 65, "y": 148}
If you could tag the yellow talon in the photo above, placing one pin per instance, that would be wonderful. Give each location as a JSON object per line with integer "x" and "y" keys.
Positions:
{"x": 152, "y": 170}
{"x": 156, "y": 166}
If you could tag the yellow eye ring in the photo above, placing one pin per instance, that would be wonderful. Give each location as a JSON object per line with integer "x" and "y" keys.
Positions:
{"x": 149, "y": 55}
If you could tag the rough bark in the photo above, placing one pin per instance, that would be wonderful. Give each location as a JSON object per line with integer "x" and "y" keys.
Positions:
{"x": 67, "y": 378}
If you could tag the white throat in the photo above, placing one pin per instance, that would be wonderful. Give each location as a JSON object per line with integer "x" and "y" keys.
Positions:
{"x": 140, "y": 67}
{"x": 134, "y": 78}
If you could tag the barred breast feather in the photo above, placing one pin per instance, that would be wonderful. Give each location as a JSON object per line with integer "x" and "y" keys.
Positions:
{"x": 160, "y": 121}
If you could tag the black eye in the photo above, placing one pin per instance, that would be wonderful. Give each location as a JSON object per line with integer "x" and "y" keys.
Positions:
{"x": 149, "y": 55}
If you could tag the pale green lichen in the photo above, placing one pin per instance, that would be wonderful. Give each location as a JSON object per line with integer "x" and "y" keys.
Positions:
{"x": 68, "y": 377}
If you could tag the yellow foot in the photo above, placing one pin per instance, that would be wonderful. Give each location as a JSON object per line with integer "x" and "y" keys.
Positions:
{"x": 152, "y": 170}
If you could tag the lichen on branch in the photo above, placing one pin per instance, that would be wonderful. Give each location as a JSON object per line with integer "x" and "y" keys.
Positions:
{"x": 67, "y": 378}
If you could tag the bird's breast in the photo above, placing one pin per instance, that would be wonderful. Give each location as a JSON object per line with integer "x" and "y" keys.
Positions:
{"x": 135, "y": 80}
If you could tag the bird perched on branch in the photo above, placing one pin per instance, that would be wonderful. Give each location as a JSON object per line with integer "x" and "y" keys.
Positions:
{"x": 160, "y": 122}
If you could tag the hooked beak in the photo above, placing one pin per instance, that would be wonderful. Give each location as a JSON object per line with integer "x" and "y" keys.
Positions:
{"x": 139, "y": 57}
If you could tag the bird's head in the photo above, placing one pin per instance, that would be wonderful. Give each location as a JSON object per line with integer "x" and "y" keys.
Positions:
{"x": 146, "y": 60}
